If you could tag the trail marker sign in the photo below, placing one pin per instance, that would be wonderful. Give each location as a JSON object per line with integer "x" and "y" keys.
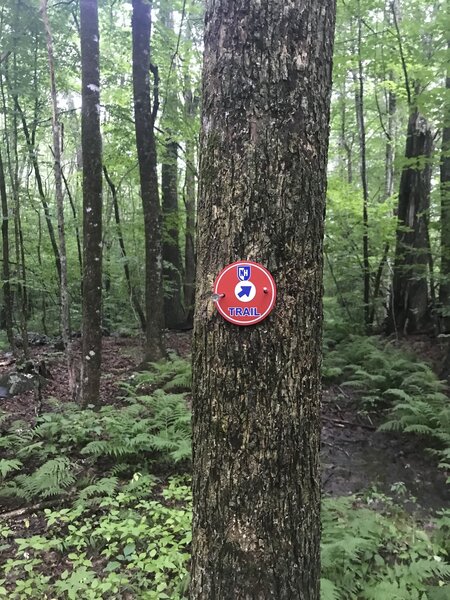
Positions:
{"x": 245, "y": 293}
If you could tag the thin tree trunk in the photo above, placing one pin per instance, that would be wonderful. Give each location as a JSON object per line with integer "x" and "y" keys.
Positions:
{"x": 359, "y": 105}
{"x": 256, "y": 389}
{"x": 189, "y": 202}
{"x": 174, "y": 314}
{"x": 92, "y": 204}
{"x": 7, "y": 293}
{"x": 131, "y": 288}
{"x": 444, "y": 290}
{"x": 59, "y": 195}
{"x": 13, "y": 169}
{"x": 43, "y": 294}
{"x": 146, "y": 150}
{"x": 37, "y": 172}
{"x": 75, "y": 221}
{"x": 343, "y": 142}
{"x": 391, "y": 106}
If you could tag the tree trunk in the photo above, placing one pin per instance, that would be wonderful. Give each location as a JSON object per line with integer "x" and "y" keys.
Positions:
{"x": 64, "y": 286}
{"x": 13, "y": 169}
{"x": 358, "y": 78}
{"x": 37, "y": 172}
{"x": 389, "y": 172}
{"x": 256, "y": 389}
{"x": 408, "y": 311}
{"x": 92, "y": 204}
{"x": 189, "y": 202}
{"x": 344, "y": 143}
{"x": 173, "y": 265}
{"x": 174, "y": 315}
{"x": 146, "y": 150}
{"x": 131, "y": 288}
{"x": 7, "y": 293}
{"x": 444, "y": 290}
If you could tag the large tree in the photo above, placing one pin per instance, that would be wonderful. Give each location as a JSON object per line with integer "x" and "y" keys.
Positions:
{"x": 256, "y": 389}
{"x": 409, "y": 308}
{"x": 145, "y": 115}
{"x": 92, "y": 202}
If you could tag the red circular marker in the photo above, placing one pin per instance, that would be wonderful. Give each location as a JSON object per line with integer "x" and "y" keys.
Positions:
{"x": 245, "y": 292}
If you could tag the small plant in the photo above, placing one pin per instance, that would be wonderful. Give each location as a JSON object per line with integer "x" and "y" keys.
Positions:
{"x": 134, "y": 544}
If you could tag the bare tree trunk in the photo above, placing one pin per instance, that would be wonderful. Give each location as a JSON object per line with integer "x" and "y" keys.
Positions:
{"x": 7, "y": 293}
{"x": 344, "y": 143}
{"x": 146, "y": 149}
{"x": 174, "y": 314}
{"x": 92, "y": 204}
{"x": 409, "y": 311}
{"x": 444, "y": 290}
{"x": 189, "y": 201}
{"x": 63, "y": 288}
{"x": 37, "y": 172}
{"x": 358, "y": 78}
{"x": 391, "y": 108}
{"x": 131, "y": 288}
{"x": 256, "y": 389}
{"x": 13, "y": 169}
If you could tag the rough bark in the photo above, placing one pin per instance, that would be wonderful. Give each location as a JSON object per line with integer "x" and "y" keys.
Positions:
{"x": 6, "y": 276}
{"x": 444, "y": 290}
{"x": 409, "y": 310}
{"x": 92, "y": 204}
{"x": 256, "y": 390}
{"x": 146, "y": 150}
{"x": 59, "y": 195}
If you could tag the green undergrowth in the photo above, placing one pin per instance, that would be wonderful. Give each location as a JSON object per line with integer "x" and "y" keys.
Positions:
{"x": 386, "y": 377}
{"x": 85, "y": 453}
{"x": 135, "y": 544}
{"x": 373, "y": 550}
{"x": 118, "y": 515}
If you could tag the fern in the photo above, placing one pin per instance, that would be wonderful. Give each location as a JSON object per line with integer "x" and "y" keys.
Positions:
{"x": 50, "y": 479}
{"x": 9, "y": 465}
{"x": 328, "y": 591}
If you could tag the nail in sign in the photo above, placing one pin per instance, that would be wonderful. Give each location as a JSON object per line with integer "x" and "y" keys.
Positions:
{"x": 245, "y": 293}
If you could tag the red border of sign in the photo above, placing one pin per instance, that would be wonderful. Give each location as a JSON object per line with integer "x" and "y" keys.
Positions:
{"x": 271, "y": 281}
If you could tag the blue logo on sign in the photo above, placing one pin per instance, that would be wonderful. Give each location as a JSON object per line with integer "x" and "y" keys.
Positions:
{"x": 244, "y": 273}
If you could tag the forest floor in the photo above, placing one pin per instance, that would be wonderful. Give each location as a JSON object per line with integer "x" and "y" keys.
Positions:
{"x": 355, "y": 457}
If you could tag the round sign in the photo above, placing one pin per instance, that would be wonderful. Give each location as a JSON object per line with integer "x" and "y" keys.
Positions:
{"x": 245, "y": 293}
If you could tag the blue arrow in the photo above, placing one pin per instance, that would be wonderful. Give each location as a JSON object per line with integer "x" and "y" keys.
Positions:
{"x": 245, "y": 291}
